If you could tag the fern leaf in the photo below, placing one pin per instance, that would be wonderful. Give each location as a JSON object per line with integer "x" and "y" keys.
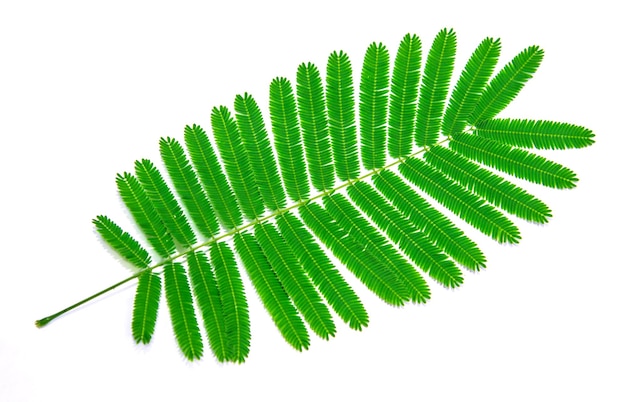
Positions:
{"x": 403, "y": 99}
{"x": 271, "y": 292}
{"x": 377, "y": 277}
{"x": 145, "y": 215}
{"x": 538, "y": 134}
{"x": 314, "y": 121}
{"x": 470, "y": 85}
{"x": 212, "y": 177}
{"x": 122, "y": 242}
{"x": 429, "y": 220}
{"x": 164, "y": 202}
{"x": 257, "y": 144}
{"x": 434, "y": 87}
{"x": 188, "y": 187}
{"x": 287, "y": 139}
{"x": 341, "y": 119}
{"x": 514, "y": 161}
{"x": 146, "y": 307}
{"x": 320, "y": 269}
{"x": 413, "y": 243}
{"x": 207, "y": 295}
{"x": 234, "y": 304}
{"x": 185, "y": 325}
{"x": 466, "y": 205}
{"x": 293, "y": 278}
{"x": 490, "y": 186}
{"x": 236, "y": 162}
{"x": 373, "y": 105}
{"x": 368, "y": 236}
{"x": 505, "y": 86}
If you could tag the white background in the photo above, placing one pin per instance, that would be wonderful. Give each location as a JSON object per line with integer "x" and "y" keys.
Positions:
{"x": 87, "y": 89}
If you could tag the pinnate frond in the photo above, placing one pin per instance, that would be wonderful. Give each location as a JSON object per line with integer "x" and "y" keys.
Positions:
{"x": 122, "y": 242}
{"x": 146, "y": 307}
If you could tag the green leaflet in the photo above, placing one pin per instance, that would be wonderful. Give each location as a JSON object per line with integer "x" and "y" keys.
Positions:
{"x": 341, "y": 119}
{"x": 314, "y": 123}
{"x": 122, "y": 242}
{"x": 434, "y": 88}
{"x": 373, "y": 105}
{"x": 385, "y": 234}
{"x": 287, "y": 139}
{"x": 538, "y": 134}
{"x": 403, "y": 99}
{"x": 184, "y": 323}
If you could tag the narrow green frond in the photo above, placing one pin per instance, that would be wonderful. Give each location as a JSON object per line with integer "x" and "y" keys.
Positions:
{"x": 470, "y": 85}
{"x": 350, "y": 219}
{"x": 234, "y": 303}
{"x": 271, "y": 292}
{"x": 295, "y": 281}
{"x": 145, "y": 215}
{"x": 434, "y": 87}
{"x": 287, "y": 139}
{"x": 236, "y": 162}
{"x": 122, "y": 242}
{"x": 314, "y": 121}
{"x": 538, "y": 134}
{"x": 146, "y": 307}
{"x": 488, "y": 185}
{"x": 413, "y": 243}
{"x": 164, "y": 202}
{"x": 403, "y": 101}
{"x": 377, "y": 277}
{"x": 180, "y": 303}
{"x": 212, "y": 177}
{"x": 514, "y": 161}
{"x": 207, "y": 295}
{"x": 188, "y": 187}
{"x": 341, "y": 115}
{"x": 320, "y": 269}
{"x": 433, "y": 223}
{"x": 257, "y": 144}
{"x": 505, "y": 86}
{"x": 374, "y": 105}
{"x": 457, "y": 199}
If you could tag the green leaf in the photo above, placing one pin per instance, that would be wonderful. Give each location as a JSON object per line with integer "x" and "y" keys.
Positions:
{"x": 287, "y": 139}
{"x": 234, "y": 304}
{"x": 434, "y": 87}
{"x": 341, "y": 119}
{"x": 538, "y": 134}
{"x": 184, "y": 323}
{"x": 505, "y": 86}
{"x": 146, "y": 307}
{"x": 209, "y": 301}
{"x": 373, "y": 105}
{"x": 314, "y": 121}
{"x": 125, "y": 245}
{"x": 403, "y": 99}
{"x": 516, "y": 162}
